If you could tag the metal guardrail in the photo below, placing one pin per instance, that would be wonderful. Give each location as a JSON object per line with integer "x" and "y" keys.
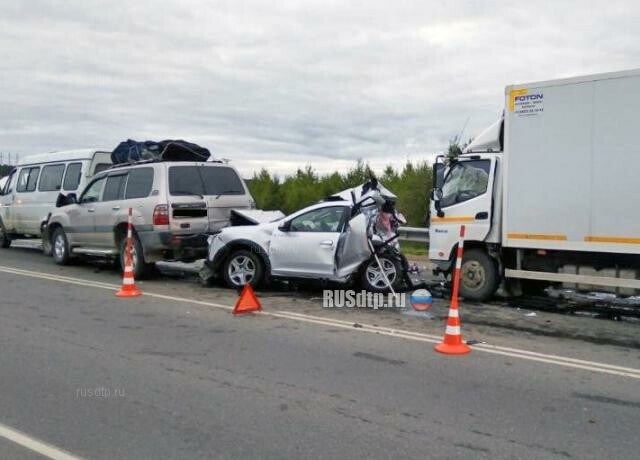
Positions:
{"x": 415, "y": 234}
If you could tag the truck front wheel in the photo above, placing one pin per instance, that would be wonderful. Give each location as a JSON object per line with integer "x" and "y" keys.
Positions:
{"x": 479, "y": 276}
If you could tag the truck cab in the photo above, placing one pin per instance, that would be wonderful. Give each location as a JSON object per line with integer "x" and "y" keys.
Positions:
{"x": 467, "y": 192}
{"x": 547, "y": 192}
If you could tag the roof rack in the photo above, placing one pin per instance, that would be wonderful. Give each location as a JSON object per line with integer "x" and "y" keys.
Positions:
{"x": 158, "y": 160}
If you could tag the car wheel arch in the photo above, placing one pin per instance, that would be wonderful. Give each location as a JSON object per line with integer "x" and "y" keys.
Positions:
{"x": 120, "y": 233}
{"x": 50, "y": 229}
{"x": 249, "y": 245}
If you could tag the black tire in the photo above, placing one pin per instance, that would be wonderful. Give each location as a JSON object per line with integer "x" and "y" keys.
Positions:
{"x": 479, "y": 277}
{"x": 242, "y": 267}
{"x": 371, "y": 275}
{"x": 5, "y": 239}
{"x": 47, "y": 247}
{"x": 141, "y": 269}
{"x": 61, "y": 251}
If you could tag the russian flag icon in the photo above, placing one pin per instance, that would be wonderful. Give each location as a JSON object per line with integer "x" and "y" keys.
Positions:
{"x": 421, "y": 300}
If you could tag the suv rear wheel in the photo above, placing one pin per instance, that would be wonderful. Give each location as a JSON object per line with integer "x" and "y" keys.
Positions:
{"x": 243, "y": 267}
{"x": 141, "y": 269}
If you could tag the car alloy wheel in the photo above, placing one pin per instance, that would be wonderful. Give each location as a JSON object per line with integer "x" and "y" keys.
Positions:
{"x": 241, "y": 270}
{"x": 375, "y": 276}
{"x": 59, "y": 246}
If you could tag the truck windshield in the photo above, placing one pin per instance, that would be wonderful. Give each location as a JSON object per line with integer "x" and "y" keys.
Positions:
{"x": 465, "y": 180}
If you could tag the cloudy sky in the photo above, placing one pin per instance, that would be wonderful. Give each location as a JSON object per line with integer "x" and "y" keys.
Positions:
{"x": 281, "y": 84}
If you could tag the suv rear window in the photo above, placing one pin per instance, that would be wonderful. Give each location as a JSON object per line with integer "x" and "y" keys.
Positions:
{"x": 140, "y": 183}
{"x": 204, "y": 180}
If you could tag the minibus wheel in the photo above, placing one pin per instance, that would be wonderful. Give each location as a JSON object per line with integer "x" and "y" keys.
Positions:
{"x": 5, "y": 240}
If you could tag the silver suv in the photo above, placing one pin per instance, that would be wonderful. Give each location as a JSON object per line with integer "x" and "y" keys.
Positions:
{"x": 176, "y": 205}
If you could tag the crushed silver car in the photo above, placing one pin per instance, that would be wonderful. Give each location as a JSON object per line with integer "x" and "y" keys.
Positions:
{"x": 337, "y": 240}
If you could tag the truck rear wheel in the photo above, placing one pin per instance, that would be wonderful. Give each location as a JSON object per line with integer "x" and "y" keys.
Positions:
{"x": 479, "y": 276}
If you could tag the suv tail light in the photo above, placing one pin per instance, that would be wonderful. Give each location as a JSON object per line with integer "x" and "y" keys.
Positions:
{"x": 161, "y": 215}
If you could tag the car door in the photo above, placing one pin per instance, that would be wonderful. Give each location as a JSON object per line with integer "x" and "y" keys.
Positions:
{"x": 353, "y": 246}
{"x": 82, "y": 216}
{"x": 110, "y": 210}
{"x": 306, "y": 244}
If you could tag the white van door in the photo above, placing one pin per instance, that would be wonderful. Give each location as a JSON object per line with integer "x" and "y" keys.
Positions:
{"x": 44, "y": 199}
{"x": 26, "y": 199}
{"x": 7, "y": 202}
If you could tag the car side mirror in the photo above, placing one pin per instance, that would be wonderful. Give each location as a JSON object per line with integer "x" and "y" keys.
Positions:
{"x": 65, "y": 200}
{"x": 284, "y": 226}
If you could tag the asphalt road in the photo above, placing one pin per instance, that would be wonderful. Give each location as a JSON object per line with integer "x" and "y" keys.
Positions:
{"x": 173, "y": 374}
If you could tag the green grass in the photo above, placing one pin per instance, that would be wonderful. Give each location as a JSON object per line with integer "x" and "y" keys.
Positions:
{"x": 410, "y": 248}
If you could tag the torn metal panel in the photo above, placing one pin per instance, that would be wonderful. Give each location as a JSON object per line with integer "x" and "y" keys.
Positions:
{"x": 368, "y": 189}
{"x": 353, "y": 249}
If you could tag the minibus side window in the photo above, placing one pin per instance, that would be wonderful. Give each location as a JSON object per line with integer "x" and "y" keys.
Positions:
{"x": 73, "y": 176}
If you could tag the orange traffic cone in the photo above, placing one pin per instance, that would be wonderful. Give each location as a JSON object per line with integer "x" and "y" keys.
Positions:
{"x": 247, "y": 302}
{"x": 129, "y": 288}
{"x": 452, "y": 343}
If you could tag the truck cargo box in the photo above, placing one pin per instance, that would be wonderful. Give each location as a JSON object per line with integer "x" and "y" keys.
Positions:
{"x": 572, "y": 164}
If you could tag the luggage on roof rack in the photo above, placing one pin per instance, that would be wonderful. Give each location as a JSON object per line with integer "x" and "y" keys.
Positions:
{"x": 131, "y": 151}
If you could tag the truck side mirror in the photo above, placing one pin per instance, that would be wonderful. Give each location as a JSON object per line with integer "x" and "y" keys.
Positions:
{"x": 437, "y": 196}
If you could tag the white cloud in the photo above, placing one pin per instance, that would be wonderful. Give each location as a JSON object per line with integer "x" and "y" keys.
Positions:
{"x": 288, "y": 83}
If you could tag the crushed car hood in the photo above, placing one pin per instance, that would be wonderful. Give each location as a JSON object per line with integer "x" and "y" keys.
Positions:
{"x": 254, "y": 216}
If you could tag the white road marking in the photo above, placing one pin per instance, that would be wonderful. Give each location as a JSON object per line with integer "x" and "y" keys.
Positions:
{"x": 368, "y": 328}
{"x": 34, "y": 444}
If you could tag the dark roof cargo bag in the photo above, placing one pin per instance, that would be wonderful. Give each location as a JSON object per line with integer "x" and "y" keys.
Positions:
{"x": 131, "y": 151}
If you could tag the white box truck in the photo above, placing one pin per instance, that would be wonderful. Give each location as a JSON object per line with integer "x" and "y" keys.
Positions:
{"x": 550, "y": 193}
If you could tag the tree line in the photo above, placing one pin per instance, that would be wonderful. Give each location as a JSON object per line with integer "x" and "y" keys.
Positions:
{"x": 5, "y": 170}
{"x": 412, "y": 185}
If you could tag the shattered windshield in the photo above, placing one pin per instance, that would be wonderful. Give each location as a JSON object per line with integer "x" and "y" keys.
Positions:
{"x": 466, "y": 180}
